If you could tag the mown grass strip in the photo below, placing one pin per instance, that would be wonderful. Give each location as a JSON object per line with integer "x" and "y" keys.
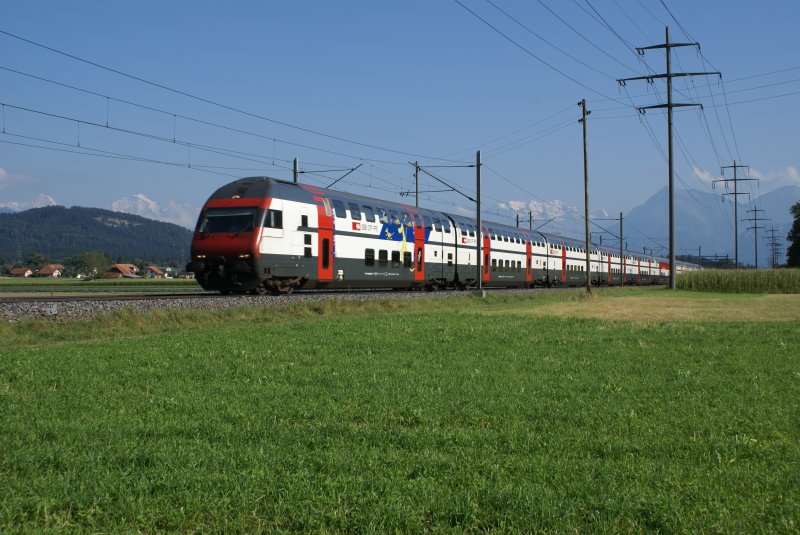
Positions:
{"x": 741, "y": 281}
{"x": 400, "y": 416}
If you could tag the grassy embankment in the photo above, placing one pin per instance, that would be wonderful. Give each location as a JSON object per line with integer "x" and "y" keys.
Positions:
{"x": 548, "y": 412}
{"x": 785, "y": 281}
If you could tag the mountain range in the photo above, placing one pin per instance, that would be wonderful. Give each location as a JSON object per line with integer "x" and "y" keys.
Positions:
{"x": 58, "y": 232}
{"x": 705, "y": 221}
{"x": 703, "y": 224}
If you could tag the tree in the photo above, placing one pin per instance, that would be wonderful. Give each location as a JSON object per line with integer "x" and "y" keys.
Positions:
{"x": 793, "y": 252}
{"x": 93, "y": 263}
{"x": 35, "y": 260}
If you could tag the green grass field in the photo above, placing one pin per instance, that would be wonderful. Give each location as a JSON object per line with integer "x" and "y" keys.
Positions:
{"x": 542, "y": 413}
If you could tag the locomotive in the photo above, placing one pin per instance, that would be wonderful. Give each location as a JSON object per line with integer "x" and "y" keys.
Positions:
{"x": 263, "y": 235}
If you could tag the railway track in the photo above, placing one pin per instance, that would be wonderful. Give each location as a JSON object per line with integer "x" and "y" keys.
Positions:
{"x": 56, "y": 298}
{"x": 60, "y": 307}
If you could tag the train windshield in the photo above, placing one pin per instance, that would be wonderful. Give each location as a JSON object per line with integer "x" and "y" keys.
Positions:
{"x": 228, "y": 220}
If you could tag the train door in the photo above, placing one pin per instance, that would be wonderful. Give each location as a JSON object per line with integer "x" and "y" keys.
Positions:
{"x": 528, "y": 261}
{"x": 487, "y": 253}
{"x": 419, "y": 250}
{"x": 325, "y": 242}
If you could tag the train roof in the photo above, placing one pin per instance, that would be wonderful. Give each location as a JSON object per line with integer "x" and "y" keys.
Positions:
{"x": 263, "y": 186}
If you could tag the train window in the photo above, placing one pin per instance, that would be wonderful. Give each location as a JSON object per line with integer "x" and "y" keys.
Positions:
{"x": 368, "y": 213}
{"x": 304, "y": 221}
{"x": 395, "y": 258}
{"x": 273, "y": 219}
{"x": 519, "y": 265}
{"x": 407, "y": 259}
{"x": 355, "y": 211}
{"x": 419, "y": 258}
{"x": 382, "y": 215}
{"x": 446, "y": 227}
{"x": 383, "y": 257}
{"x": 228, "y": 220}
{"x": 494, "y": 264}
{"x": 449, "y": 259}
{"x": 407, "y": 219}
{"x": 338, "y": 208}
{"x": 394, "y": 219}
{"x": 307, "y": 252}
{"x": 369, "y": 257}
{"x": 428, "y": 222}
{"x": 437, "y": 224}
{"x": 471, "y": 230}
{"x": 307, "y": 239}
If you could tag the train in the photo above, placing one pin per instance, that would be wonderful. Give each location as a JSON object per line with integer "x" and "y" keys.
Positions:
{"x": 264, "y": 235}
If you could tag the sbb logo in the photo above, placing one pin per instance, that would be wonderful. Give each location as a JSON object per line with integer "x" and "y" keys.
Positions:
{"x": 356, "y": 225}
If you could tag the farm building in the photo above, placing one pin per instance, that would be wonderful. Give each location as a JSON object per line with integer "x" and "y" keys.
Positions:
{"x": 120, "y": 271}
{"x": 50, "y": 270}
{"x": 21, "y": 272}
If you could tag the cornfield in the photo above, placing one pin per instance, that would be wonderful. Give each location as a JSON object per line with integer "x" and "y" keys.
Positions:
{"x": 775, "y": 281}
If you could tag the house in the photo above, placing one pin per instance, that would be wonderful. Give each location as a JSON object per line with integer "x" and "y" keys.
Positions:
{"x": 154, "y": 272}
{"x": 119, "y": 271}
{"x": 51, "y": 270}
{"x": 21, "y": 272}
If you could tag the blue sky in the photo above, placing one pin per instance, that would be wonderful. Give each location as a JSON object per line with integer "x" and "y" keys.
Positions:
{"x": 425, "y": 79}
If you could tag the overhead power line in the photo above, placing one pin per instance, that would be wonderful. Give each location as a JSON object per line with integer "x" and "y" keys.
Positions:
{"x": 537, "y": 58}
{"x": 564, "y": 52}
{"x": 197, "y": 120}
{"x": 213, "y": 102}
{"x": 579, "y": 34}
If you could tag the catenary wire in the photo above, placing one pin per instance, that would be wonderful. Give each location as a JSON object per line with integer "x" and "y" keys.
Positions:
{"x": 212, "y": 102}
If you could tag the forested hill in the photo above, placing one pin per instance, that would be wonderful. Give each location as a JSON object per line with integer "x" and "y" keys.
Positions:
{"x": 58, "y": 232}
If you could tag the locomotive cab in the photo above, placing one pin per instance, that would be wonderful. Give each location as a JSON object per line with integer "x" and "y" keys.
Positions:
{"x": 224, "y": 247}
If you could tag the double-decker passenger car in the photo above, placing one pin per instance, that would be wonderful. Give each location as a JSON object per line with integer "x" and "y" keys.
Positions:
{"x": 262, "y": 234}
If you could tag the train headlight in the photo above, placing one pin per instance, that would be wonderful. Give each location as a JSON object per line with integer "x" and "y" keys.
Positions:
{"x": 200, "y": 256}
{"x": 246, "y": 255}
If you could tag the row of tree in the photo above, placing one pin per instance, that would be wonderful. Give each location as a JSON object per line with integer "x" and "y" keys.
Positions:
{"x": 793, "y": 252}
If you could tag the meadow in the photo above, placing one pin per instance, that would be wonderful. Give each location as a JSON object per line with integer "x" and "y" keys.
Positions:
{"x": 550, "y": 412}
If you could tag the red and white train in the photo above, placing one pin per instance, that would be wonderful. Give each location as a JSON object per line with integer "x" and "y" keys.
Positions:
{"x": 266, "y": 235}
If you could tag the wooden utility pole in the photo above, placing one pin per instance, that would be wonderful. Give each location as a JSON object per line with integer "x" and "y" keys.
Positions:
{"x": 582, "y": 120}
{"x": 416, "y": 183}
{"x": 478, "y": 234}
{"x": 669, "y": 106}
{"x": 735, "y": 194}
{"x": 295, "y": 172}
{"x": 621, "y": 264}
{"x": 755, "y": 219}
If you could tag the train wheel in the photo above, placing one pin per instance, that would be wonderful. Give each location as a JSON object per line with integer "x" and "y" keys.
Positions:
{"x": 259, "y": 290}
